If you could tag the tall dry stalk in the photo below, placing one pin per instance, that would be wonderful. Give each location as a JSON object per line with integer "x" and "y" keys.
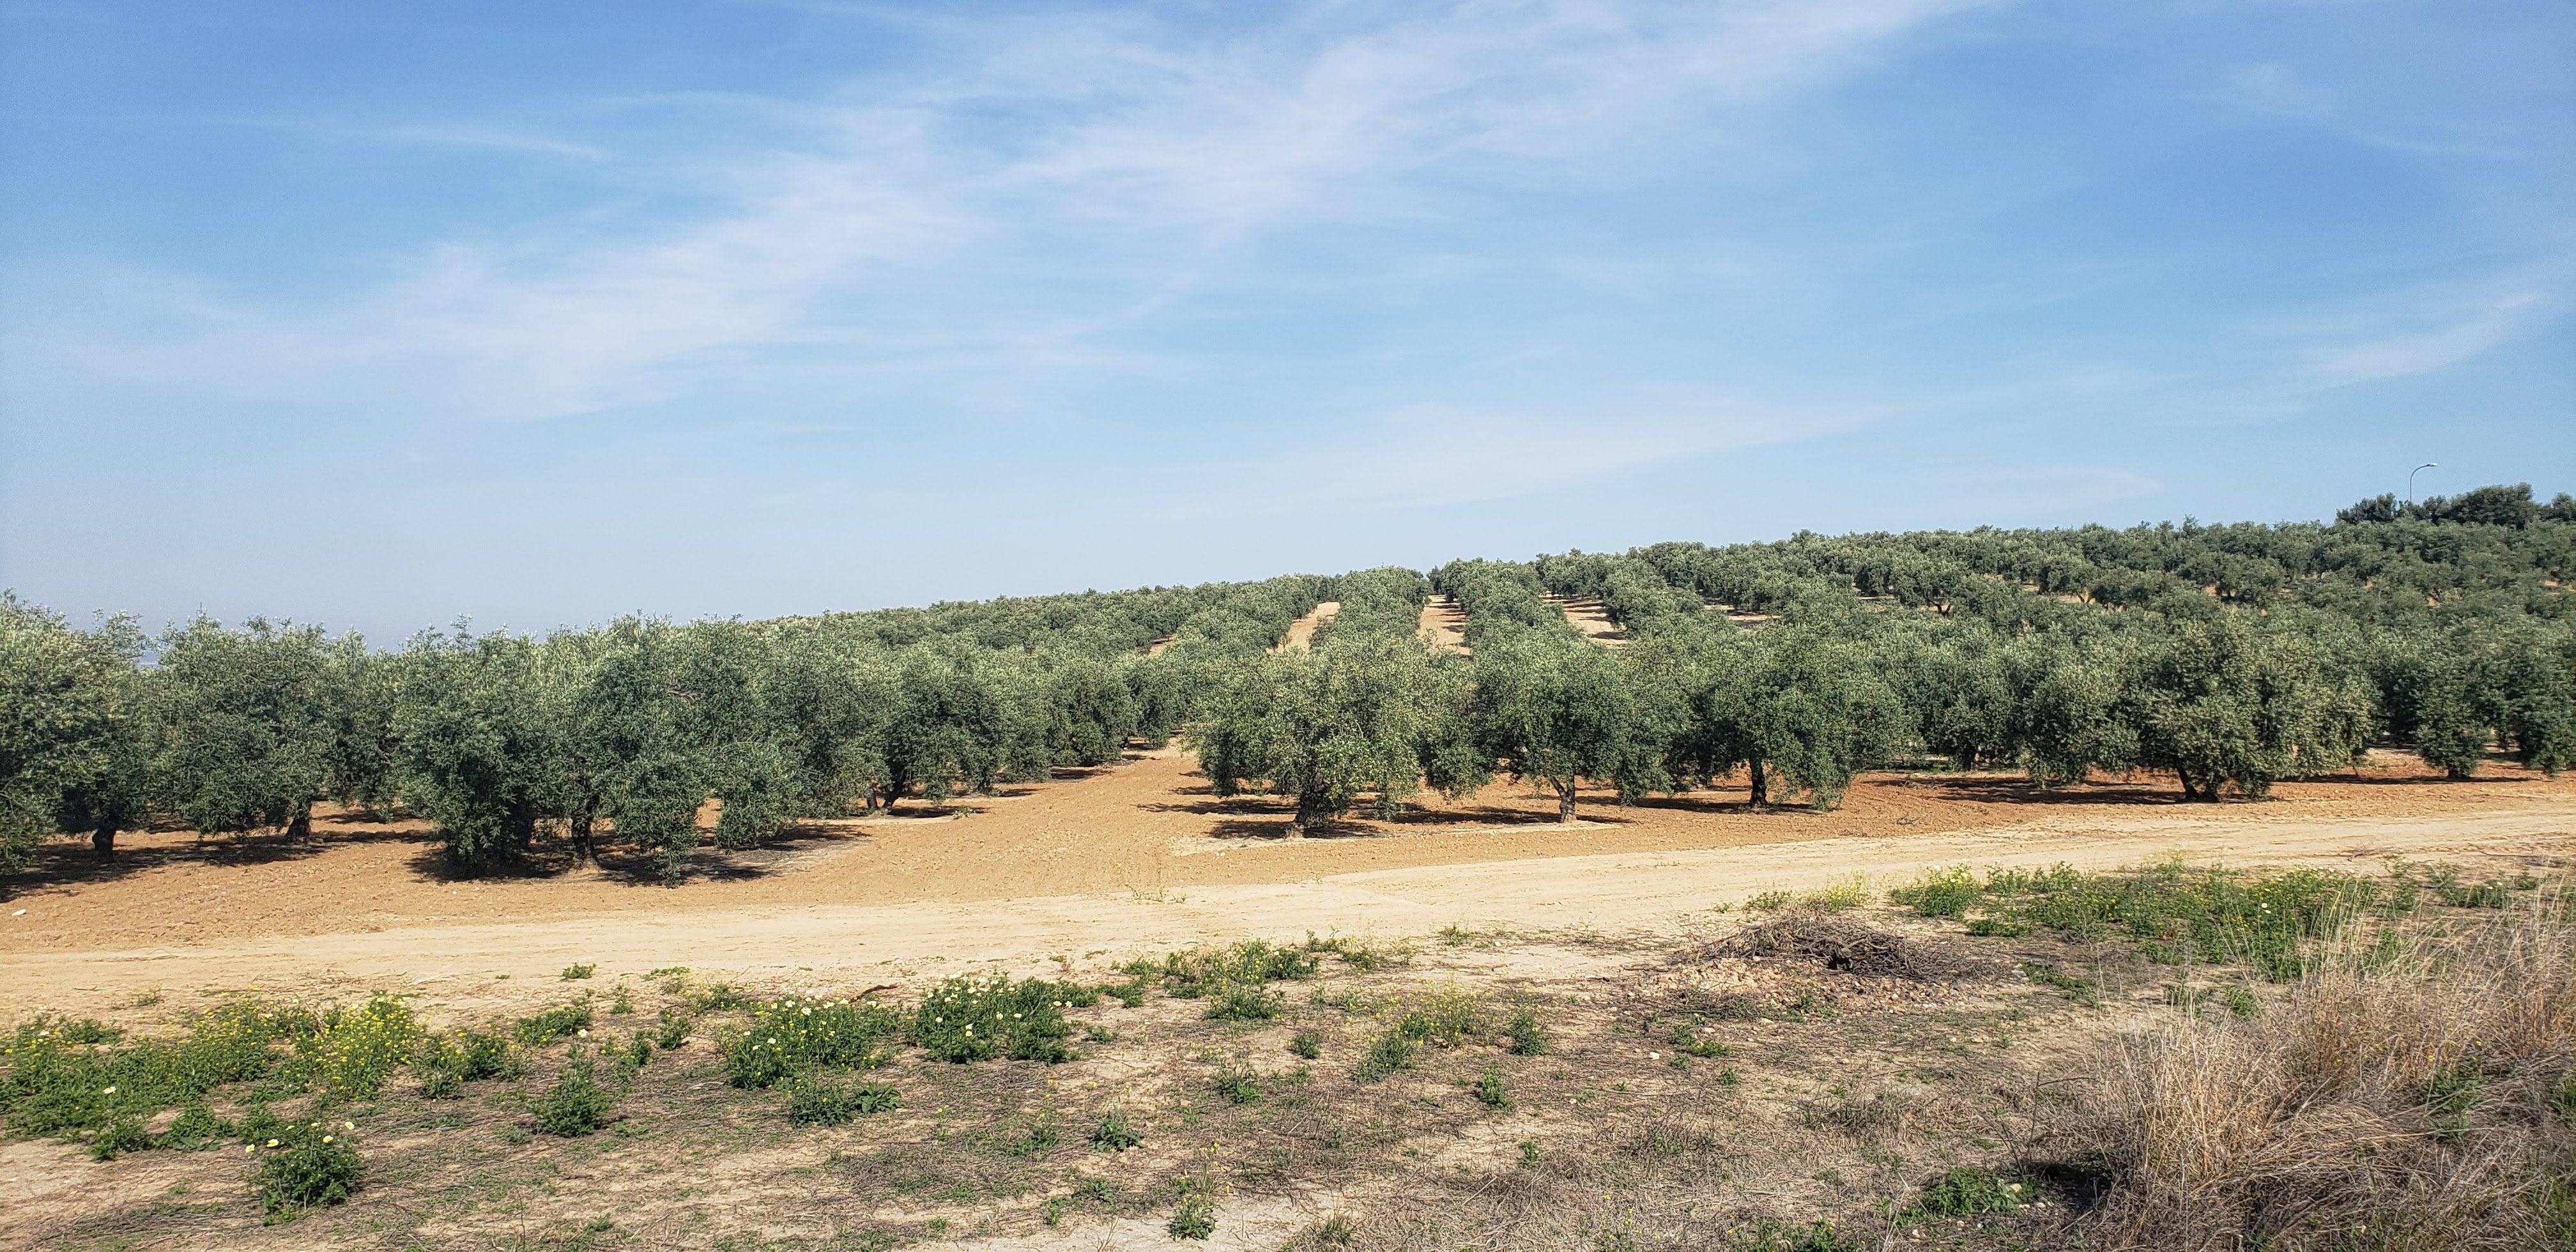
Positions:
{"x": 2409, "y": 1095}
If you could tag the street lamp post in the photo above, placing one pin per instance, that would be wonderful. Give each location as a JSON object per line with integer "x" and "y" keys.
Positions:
{"x": 2410, "y": 479}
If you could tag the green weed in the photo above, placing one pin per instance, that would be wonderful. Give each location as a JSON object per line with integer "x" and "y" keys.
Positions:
{"x": 815, "y": 1101}
{"x": 305, "y": 1167}
{"x": 1113, "y": 1134}
{"x": 793, "y": 1033}
{"x": 966, "y": 1019}
{"x": 576, "y": 1105}
{"x": 1966, "y": 1192}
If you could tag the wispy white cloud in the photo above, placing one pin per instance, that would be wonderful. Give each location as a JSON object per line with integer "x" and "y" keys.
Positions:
{"x": 1115, "y": 158}
{"x": 420, "y": 134}
{"x": 2418, "y": 331}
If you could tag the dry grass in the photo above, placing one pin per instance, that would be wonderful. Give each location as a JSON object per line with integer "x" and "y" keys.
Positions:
{"x": 2407, "y": 1094}
{"x": 1806, "y": 1081}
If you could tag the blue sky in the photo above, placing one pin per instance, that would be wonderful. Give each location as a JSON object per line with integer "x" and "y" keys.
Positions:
{"x": 381, "y": 314}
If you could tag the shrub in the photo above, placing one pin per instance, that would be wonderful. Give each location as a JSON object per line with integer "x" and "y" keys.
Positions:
{"x": 575, "y": 973}
{"x": 1527, "y": 1037}
{"x": 1244, "y": 1002}
{"x": 562, "y": 1021}
{"x": 1113, "y": 1134}
{"x": 125, "y": 1134}
{"x": 576, "y": 1105}
{"x": 2396, "y": 1054}
{"x": 440, "y": 1083}
{"x": 1771, "y": 1236}
{"x": 1195, "y": 1219}
{"x": 673, "y": 1032}
{"x": 1446, "y": 1017}
{"x": 1390, "y": 1052}
{"x": 305, "y": 1167}
{"x": 965, "y": 1019}
{"x": 354, "y": 1051}
{"x": 631, "y": 1059}
{"x": 1361, "y": 955}
{"x": 69, "y": 1077}
{"x": 1307, "y": 1043}
{"x": 1491, "y": 1091}
{"x": 1237, "y": 1086}
{"x": 2179, "y": 913}
{"x": 822, "y": 1102}
{"x": 194, "y": 1130}
{"x": 446, "y": 1063}
{"x": 1043, "y": 1134}
{"x": 1940, "y": 893}
{"x": 790, "y": 1034}
{"x": 1205, "y": 971}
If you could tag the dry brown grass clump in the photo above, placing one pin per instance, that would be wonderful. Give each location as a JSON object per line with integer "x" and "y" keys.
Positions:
{"x": 2409, "y": 1095}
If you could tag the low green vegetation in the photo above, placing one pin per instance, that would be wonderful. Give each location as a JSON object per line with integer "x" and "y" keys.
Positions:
{"x": 576, "y": 1104}
{"x": 305, "y": 1166}
{"x": 2177, "y": 913}
{"x": 966, "y": 1019}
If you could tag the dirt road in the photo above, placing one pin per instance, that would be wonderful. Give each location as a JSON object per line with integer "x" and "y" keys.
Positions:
{"x": 838, "y": 945}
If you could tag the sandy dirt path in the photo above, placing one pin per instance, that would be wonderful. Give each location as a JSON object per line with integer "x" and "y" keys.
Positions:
{"x": 839, "y": 944}
{"x": 1301, "y": 633}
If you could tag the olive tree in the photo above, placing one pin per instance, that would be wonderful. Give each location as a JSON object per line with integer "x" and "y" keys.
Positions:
{"x": 948, "y": 730}
{"x": 1368, "y": 714}
{"x": 1820, "y": 713}
{"x": 244, "y": 725}
{"x": 480, "y": 755}
{"x": 2067, "y": 719}
{"x": 1554, "y": 709}
{"x": 2228, "y": 707}
{"x": 70, "y": 743}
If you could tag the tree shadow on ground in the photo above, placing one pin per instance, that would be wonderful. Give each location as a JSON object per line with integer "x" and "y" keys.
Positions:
{"x": 68, "y": 861}
{"x": 551, "y": 857}
{"x": 2003, "y": 789}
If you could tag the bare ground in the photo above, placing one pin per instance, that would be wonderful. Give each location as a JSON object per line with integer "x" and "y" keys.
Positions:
{"x": 1591, "y": 619}
{"x": 1444, "y": 624}
{"x": 1609, "y": 927}
{"x": 1693, "y": 1087}
{"x": 1301, "y": 633}
{"x": 1135, "y": 855}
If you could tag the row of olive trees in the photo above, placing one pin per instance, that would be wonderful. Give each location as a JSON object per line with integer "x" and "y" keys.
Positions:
{"x": 629, "y": 731}
{"x": 2224, "y": 702}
